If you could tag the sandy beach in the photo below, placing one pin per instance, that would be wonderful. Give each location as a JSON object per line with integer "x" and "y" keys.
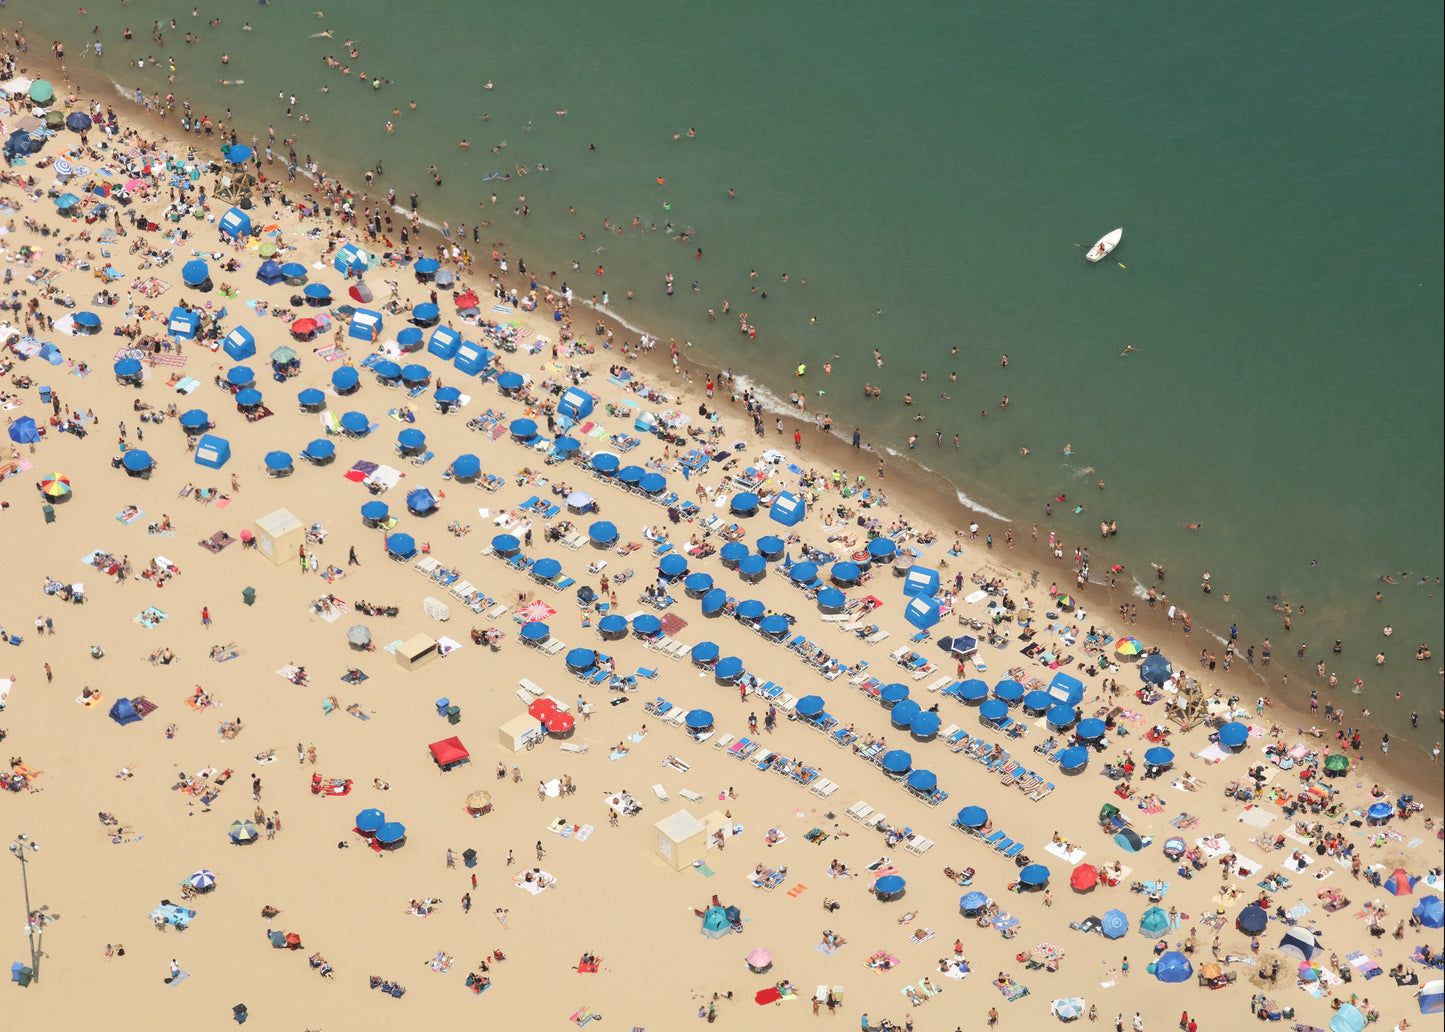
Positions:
{"x": 125, "y": 814}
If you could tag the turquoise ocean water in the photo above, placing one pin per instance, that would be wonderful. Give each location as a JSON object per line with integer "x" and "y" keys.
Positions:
{"x": 1276, "y": 170}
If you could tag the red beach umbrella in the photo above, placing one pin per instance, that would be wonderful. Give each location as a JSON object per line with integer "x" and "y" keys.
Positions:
{"x": 541, "y": 709}
{"x": 1085, "y": 877}
{"x": 468, "y": 300}
{"x": 560, "y": 723}
{"x": 303, "y": 328}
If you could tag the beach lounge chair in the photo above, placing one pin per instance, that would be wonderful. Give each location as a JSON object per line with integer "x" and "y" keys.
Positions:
{"x": 873, "y": 820}
{"x": 876, "y": 637}
{"x": 858, "y": 811}
{"x": 1002, "y": 844}
{"x": 723, "y": 742}
{"x": 918, "y": 845}
{"x": 660, "y": 792}
{"x": 553, "y": 647}
{"x": 1012, "y": 851}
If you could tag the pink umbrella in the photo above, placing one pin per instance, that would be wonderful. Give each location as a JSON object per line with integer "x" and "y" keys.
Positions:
{"x": 760, "y": 958}
{"x": 132, "y": 185}
{"x": 537, "y": 610}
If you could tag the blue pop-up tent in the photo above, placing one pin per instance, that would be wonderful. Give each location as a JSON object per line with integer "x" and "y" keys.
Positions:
{"x": 575, "y": 403}
{"x": 123, "y": 712}
{"x": 365, "y": 325}
{"x": 1066, "y": 689}
{"x": 921, "y": 581}
{"x": 239, "y": 344}
{"x": 473, "y": 360}
{"x": 212, "y": 452}
{"x": 183, "y": 324}
{"x": 788, "y": 509}
{"x": 235, "y": 224}
{"x": 270, "y": 273}
{"x": 923, "y": 612}
{"x": 444, "y": 343}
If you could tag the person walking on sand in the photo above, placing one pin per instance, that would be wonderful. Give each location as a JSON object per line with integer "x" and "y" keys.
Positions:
{"x": 451, "y": 860}
{"x": 205, "y": 616}
{"x": 351, "y": 559}
{"x": 540, "y": 851}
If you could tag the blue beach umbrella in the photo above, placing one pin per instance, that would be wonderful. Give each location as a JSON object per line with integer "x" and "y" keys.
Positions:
{"x": 411, "y": 441}
{"x": 902, "y": 714}
{"x": 355, "y": 423}
{"x": 523, "y": 429}
{"x": 374, "y": 512}
{"x": 320, "y": 450}
{"x": 753, "y": 569}
{"x": 1034, "y": 876}
{"x": 672, "y": 566}
{"x": 315, "y": 291}
{"x": 993, "y": 710}
{"x": 195, "y": 420}
{"x": 401, "y": 545}
{"x": 652, "y": 483}
{"x": 426, "y": 266}
{"x": 831, "y": 600}
{"x": 606, "y": 463}
{"x": 705, "y": 652}
{"x": 136, "y": 460}
{"x": 416, "y": 373}
{"x": 238, "y": 154}
{"x": 631, "y": 475}
{"x": 698, "y": 584}
{"x": 973, "y": 690}
{"x": 466, "y": 467}
{"x": 370, "y": 819}
{"x": 751, "y": 609}
{"x": 294, "y": 271}
{"x": 1009, "y": 691}
{"x": 249, "y": 398}
{"x": 603, "y": 533}
{"x": 1233, "y": 735}
{"x": 612, "y": 626}
{"x": 729, "y": 668}
{"x": 581, "y": 659}
{"x": 889, "y": 886}
{"x": 311, "y": 399}
{"x": 1379, "y": 811}
{"x": 647, "y": 625}
{"x": 803, "y": 573}
{"x": 1252, "y": 920}
{"x": 1062, "y": 716}
{"x": 128, "y": 369}
{"x": 770, "y": 547}
{"x": 973, "y": 817}
{"x": 897, "y": 761}
{"x": 845, "y": 573}
{"x": 972, "y": 902}
{"x": 810, "y": 706}
{"x": 774, "y": 625}
{"x": 1074, "y": 758}
{"x": 87, "y": 319}
{"x": 713, "y": 601}
{"x": 744, "y": 503}
{"x": 447, "y": 395}
{"x": 278, "y": 461}
{"x": 892, "y": 694}
{"x": 240, "y": 376}
{"x": 425, "y": 314}
{"x": 511, "y": 381}
{"x": 535, "y": 631}
{"x": 1115, "y": 924}
{"x": 391, "y": 833}
{"x": 698, "y": 720}
{"x": 882, "y": 549}
{"x": 409, "y": 338}
{"x": 1159, "y": 756}
{"x": 732, "y": 553}
{"x": 194, "y": 273}
{"x": 546, "y": 569}
{"x": 506, "y": 545}
{"x": 563, "y": 446}
{"x": 922, "y": 780}
{"x": 1038, "y": 702}
{"x": 1156, "y": 669}
{"x": 346, "y": 379}
{"x": 1091, "y": 729}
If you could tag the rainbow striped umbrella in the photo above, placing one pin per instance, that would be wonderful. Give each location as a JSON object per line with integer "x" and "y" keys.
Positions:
{"x": 55, "y": 485}
{"x": 1128, "y": 647}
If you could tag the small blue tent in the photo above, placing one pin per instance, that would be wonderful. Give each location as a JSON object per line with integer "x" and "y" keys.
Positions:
{"x": 212, "y": 451}
{"x": 1066, "y": 689}
{"x": 444, "y": 342}
{"x": 350, "y": 259}
{"x": 239, "y": 344}
{"x": 788, "y": 509}
{"x": 183, "y": 324}
{"x": 236, "y": 224}
{"x": 921, "y": 582}
{"x": 123, "y": 712}
{"x": 365, "y": 325}
{"x": 270, "y": 273}
{"x": 575, "y": 403}
{"x": 471, "y": 358}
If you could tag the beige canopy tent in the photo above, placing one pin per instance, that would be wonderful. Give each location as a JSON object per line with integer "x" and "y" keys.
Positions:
{"x": 279, "y": 536}
{"x": 514, "y": 732}
{"x": 416, "y": 651}
{"x": 681, "y": 840}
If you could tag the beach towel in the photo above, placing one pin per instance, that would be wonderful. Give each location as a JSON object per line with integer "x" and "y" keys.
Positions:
{"x": 797, "y": 890}
{"x": 131, "y": 517}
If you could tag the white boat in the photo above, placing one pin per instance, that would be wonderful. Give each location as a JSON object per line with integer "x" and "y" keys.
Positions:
{"x": 1106, "y": 243}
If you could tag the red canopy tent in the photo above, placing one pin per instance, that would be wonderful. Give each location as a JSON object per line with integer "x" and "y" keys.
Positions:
{"x": 449, "y": 753}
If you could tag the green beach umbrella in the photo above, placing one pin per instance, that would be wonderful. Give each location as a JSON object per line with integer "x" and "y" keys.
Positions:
{"x": 267, "y": 249}
{"x": 54, "y": 119}
{"x": 1337, "y": 763}
{"x": 41, "y": 92}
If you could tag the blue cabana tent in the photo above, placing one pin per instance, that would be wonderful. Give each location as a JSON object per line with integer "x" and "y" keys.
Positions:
{"x": 922, "y": 612}
{"x": 444, "y": 343}
{"x": 212, "y": 452}
{"x": 921, "y": 582}
{"x": 235, "y": 224}
{"x": 239, "y": 344}
{"x": 350, "y": 260}
{"x": 1432, "y": 997}
{"x": 1430, "y": 912}
{"x": 788, "y": 509}
{"x": 184, "y": 324}
{"x": 473, "y": 360}
{"x": 1067, "y": 689}
{"x": 365, "y": 325}
{"x": 195, "y": 273}
{"x": 270, "y": 273}
{"x": 575, "y": 403}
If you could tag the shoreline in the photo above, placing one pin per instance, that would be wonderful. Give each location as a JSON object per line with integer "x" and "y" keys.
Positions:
{"x": 935, "y": 501}
{"x": 336, "y": 898}
{"x": 949, "y": 509}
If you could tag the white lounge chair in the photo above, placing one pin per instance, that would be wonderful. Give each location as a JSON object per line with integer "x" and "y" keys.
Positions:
{"x": 660, "y": 792}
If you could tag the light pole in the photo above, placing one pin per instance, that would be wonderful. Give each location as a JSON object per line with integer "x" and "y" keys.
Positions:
{"x": 18, "y": 848}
